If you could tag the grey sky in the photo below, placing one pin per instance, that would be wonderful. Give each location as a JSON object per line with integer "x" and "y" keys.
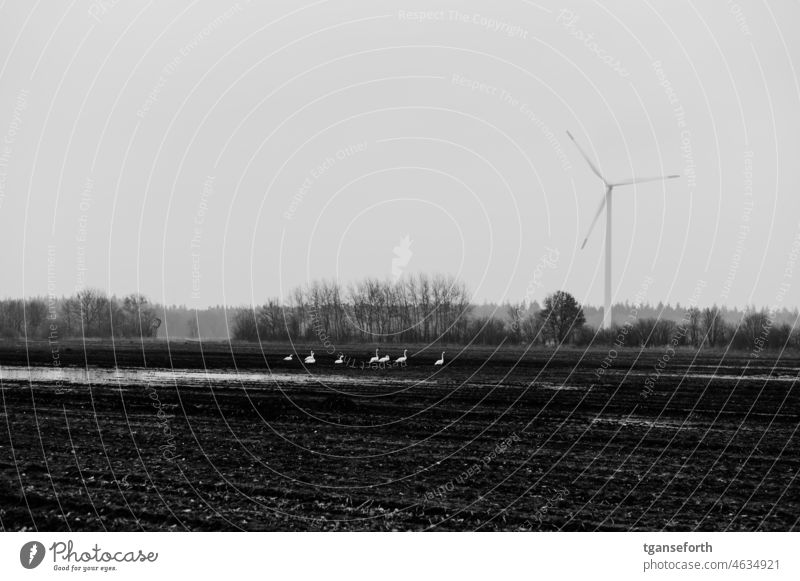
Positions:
{"x": 213, "y": 152}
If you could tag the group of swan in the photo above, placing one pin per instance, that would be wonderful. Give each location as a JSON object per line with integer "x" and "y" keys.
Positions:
{"x": 386, "y": 358}
{"x": 375, "y": 359}
{"x": 309, "y": 359}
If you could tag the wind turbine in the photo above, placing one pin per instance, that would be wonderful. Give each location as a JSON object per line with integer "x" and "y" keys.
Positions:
{"x": 605, "y": 202}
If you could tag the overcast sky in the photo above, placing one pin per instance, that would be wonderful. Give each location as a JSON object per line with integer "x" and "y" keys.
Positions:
{"x": 212, "y": 152}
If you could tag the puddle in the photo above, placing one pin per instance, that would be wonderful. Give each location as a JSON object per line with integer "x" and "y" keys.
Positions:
{"x": 784, "y": 376}
{"x": 563, "y": 387}
{"x": 98, "y": 376}
{"x": 641, "y": 422}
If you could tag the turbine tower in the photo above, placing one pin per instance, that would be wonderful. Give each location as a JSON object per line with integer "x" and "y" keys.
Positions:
{"x": 605, "y": 202}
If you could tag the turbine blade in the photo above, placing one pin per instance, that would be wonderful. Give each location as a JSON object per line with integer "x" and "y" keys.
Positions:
{"x": 594, "y": 220}
{"x": 586, "y": 157}
{"x": 643, "y": 180}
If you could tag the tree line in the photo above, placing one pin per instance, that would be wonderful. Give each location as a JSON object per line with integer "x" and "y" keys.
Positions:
{"x": 415, "y": 309}
{"x": 754, "y": 330}
{"x": 710, "y": 327}
{"x": 425, "y": 309}
{"x": 88, "y": 313}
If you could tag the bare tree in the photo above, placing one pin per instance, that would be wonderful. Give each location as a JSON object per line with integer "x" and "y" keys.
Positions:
{"x": 693, "y": 325}
{"x": 713, "y": 326}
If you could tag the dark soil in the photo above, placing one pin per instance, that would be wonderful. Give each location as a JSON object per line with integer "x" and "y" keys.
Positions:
{"x": 502, "y": 440}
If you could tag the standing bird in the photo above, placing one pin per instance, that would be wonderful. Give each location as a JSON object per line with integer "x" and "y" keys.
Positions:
{"x": 310, "y": 358}
{"x": 289, "y": 358}
{"x": 402, "y": 359}
{"x": 440, "y": 361}
{"x": 340, "y": 360}
{"x": 374, "y": 359}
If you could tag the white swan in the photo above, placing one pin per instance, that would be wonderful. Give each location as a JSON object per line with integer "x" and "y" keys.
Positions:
{"x": 440, "y": 361}
{"x": 384, "y": 359}
{"x": 310, "y": 358}
{"x": 340, "y": 360}
{"x": 374, "y": 359}
{"x": 402, "y": 359}
{"x": 289, "y": 358}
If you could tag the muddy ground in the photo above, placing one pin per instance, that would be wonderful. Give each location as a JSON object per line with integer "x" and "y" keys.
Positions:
{"x": 494, "y": 440}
